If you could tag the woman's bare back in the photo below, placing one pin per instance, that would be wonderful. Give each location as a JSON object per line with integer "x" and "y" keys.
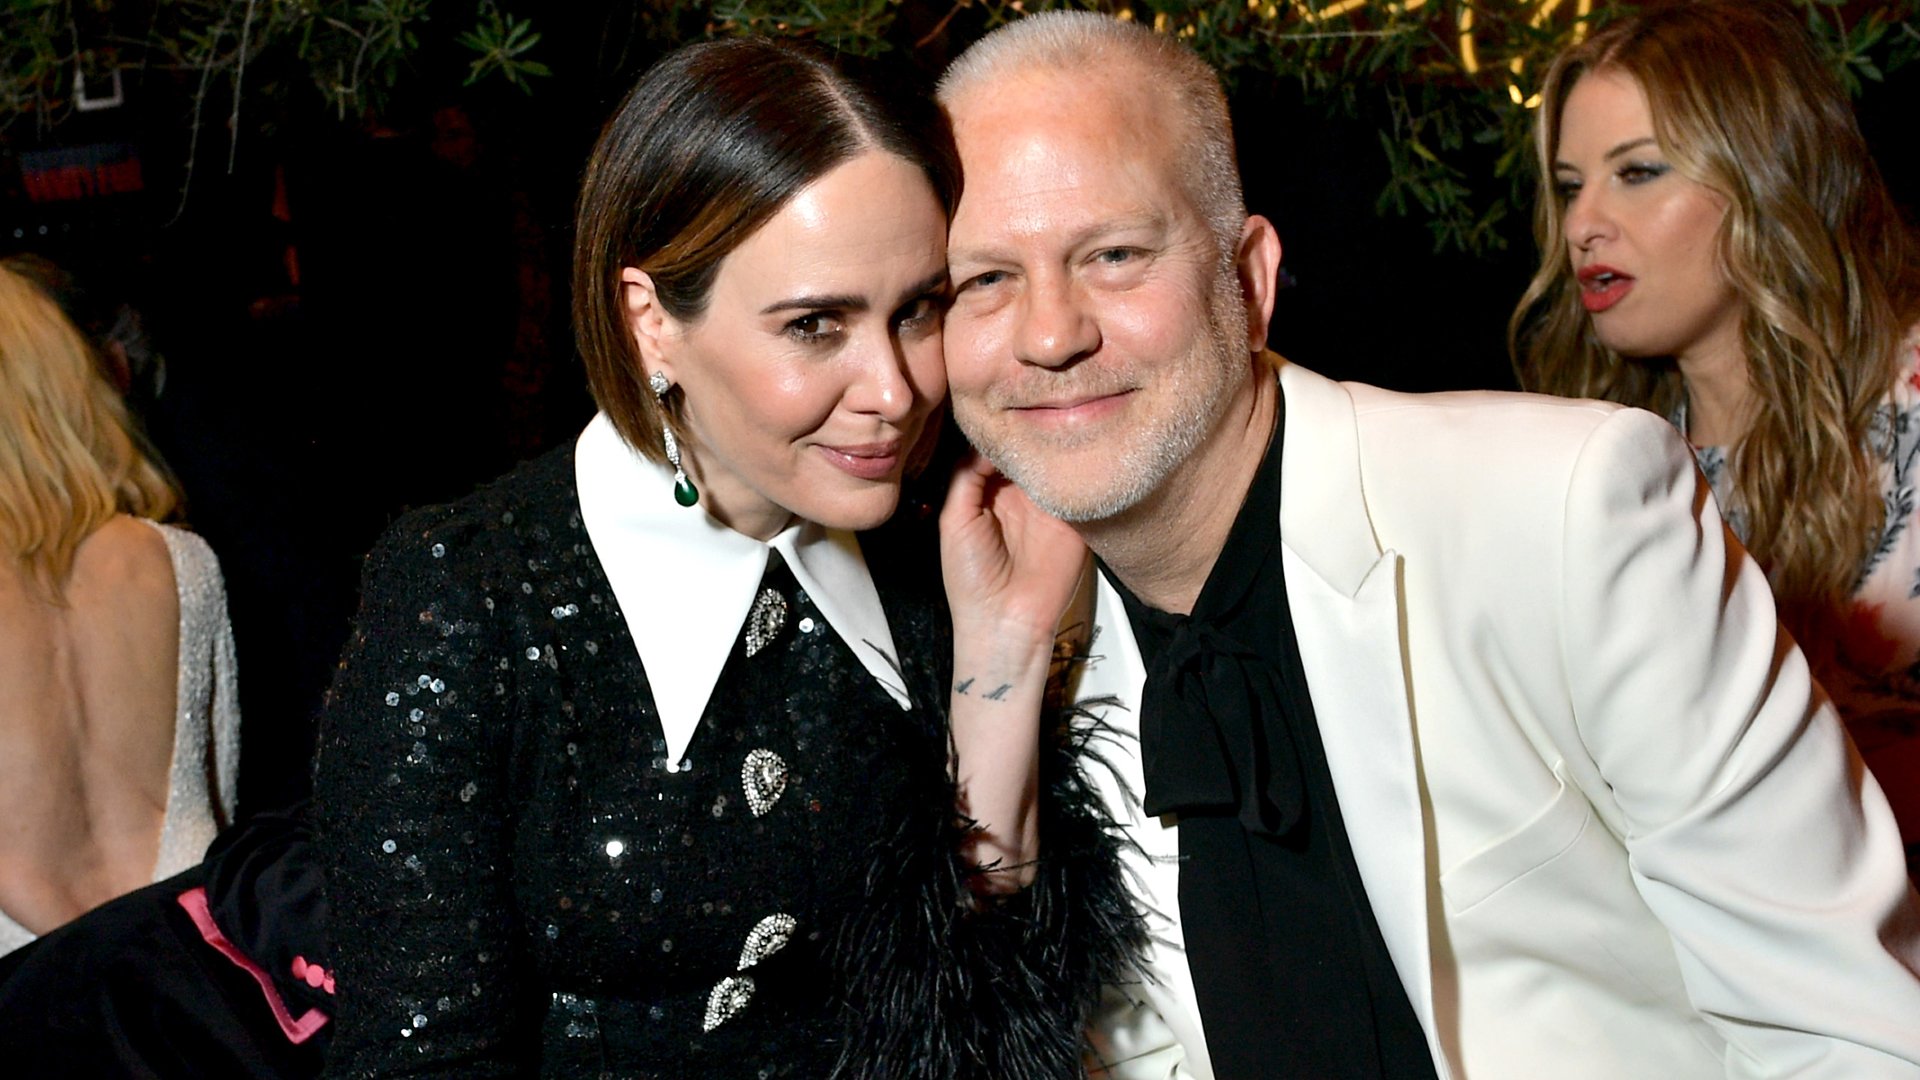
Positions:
{"x": 87, "y": 702}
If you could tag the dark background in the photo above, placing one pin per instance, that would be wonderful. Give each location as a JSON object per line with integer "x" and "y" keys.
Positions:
{"x": 370, "y": 314}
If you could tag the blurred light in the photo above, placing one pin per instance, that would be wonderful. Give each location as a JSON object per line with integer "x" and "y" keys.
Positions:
{"x": 1469, "y": 56}
{"x": 1331, "y": 11}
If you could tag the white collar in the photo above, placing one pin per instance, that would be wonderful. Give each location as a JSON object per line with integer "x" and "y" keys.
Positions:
{"x": 685, "y": 582}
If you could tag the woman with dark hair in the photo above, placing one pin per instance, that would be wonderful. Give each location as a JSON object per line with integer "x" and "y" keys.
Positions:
{"x": 1717, "y": 246}
{"x": 638, "y": 760}
{"x": 665, "y": 754}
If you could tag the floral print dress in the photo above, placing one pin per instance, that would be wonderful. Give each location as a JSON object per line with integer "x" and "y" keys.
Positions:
{"x": 1866, "y": 653}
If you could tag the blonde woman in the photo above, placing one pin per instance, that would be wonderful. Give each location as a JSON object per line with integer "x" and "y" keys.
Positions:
{"x": 1718, "y": 247}
{"x": 119, "y": 731}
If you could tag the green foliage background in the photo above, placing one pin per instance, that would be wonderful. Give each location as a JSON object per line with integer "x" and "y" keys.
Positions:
{"x": 1448, "y": 82}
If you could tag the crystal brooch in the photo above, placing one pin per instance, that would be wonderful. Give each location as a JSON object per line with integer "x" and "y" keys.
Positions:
{"x": 764, "y": 776}
{"x": 766, "y": 620}
{"x": 729, "y": 996}
{"x": 767, "y": 937}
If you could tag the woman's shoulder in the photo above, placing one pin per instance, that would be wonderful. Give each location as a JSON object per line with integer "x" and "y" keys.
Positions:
{"x": 178, "y": 538}
{"x": 1893, "y": 432}
{"x": 1905, "y": 392}
{"x": 131, "y": 553}
{"x": 193, "y": 559}
{"x": 491, "y": 526}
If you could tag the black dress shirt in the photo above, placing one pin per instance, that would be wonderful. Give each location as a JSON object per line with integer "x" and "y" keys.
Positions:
{"x": 1292, "y": 975}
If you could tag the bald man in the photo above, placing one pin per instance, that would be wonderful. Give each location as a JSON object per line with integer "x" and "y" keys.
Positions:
{"x": 1468, "y": 745}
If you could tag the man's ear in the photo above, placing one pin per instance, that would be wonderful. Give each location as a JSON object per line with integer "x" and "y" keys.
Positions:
{"x": 652, "y": 328}
{"x": 1258, "y": 263}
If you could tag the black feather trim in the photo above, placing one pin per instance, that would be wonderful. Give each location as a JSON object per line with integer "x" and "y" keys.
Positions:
{"x": 942, "y": 983}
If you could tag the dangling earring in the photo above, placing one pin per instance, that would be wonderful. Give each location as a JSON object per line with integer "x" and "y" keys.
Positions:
{"x": 684, "y": 492}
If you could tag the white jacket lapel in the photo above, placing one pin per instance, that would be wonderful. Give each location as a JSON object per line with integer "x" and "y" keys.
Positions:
{"x": 1345, "y": 596}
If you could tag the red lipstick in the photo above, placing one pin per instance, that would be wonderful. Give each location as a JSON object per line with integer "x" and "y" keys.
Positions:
{"x": 1602, "y": 286}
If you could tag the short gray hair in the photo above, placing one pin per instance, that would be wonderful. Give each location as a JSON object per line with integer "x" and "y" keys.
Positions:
{"x": 1078, "y": 41}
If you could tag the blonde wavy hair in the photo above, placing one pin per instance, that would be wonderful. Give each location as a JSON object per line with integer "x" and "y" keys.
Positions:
{"x": 1743, "y": 103}
{"x": 69, "y": 460}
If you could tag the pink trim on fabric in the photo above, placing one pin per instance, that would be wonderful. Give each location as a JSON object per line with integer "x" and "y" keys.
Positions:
{"x": 297, "y": 1031}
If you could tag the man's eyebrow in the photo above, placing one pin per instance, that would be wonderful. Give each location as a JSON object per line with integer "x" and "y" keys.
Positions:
{"x": 996, "y": 253}
{"x": 963, "y": 256}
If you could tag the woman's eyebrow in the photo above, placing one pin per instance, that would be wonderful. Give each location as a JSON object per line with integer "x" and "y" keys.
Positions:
{"x": 849, "y": 302}
{"x": 838, "y": 303}
{"x": 1630, "y": 144}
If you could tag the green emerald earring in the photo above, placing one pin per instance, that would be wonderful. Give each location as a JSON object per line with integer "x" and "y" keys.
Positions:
{"x": 684, "y": 492}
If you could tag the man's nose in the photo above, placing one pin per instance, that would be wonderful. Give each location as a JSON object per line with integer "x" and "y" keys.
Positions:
{"x": 1056, "y": 327}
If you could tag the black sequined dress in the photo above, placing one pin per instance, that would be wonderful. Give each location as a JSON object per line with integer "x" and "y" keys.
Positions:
{"x": 521, "y": 885}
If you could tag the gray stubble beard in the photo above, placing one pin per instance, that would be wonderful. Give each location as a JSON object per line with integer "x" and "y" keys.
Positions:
{"x": 1143, "y": 465}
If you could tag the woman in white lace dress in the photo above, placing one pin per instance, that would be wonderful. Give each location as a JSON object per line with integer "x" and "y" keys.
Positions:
{"x": 1718, "y": 246}
{"x": 119, "y": 731}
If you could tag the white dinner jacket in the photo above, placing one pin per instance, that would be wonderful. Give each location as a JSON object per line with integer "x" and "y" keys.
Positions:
{"x": 1607, "y": 827}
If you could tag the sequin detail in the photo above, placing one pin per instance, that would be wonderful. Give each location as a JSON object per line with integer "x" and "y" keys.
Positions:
{"x": 652, "y": 900}
{"x": 729, "y": 997}
{"x": 206, "y": 734}
{"x": 764, "y": 776}
{"x": 767, "y": 937}
{"x": 581, "y": 1014}
{"x": 766, "y": 620}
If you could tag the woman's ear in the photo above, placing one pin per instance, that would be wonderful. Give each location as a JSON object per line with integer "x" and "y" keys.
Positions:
{"x": 651, "y": 326}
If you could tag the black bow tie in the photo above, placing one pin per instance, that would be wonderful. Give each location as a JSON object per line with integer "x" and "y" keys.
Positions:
{"x": 1207, "y": 734}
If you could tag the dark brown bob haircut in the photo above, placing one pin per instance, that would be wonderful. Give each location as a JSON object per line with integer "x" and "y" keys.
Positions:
{"x": 709, "y": 145}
